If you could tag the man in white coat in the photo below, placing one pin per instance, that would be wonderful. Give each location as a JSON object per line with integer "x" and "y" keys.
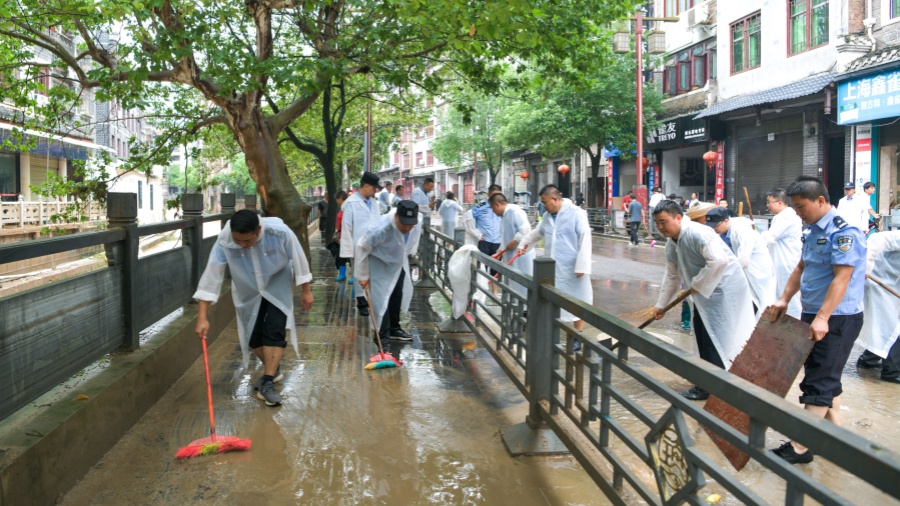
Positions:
{"x": 697, "y": 257}
{"x": 514, "y": 226}
{"x": 750, "y": 249}
{"x": 881, "y": 328}
{"x": 360, "y": 210}
{"x": 266, "y": 261}
{"x": 420, "y": 195}
{"x": 449, "y": 212}
{"x": 567, "y": 239}
{"x": 783, "y": 238}
{"x": 854, "y": 209}
{"x": 385, "y": 197}
{"x": 383, "y": 266}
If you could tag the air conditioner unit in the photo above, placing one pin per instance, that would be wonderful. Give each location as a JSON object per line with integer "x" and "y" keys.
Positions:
{"x": 698, "y": 16}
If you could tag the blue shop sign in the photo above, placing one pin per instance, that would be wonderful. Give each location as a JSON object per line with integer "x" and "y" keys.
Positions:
{"x": 869, "y": 98}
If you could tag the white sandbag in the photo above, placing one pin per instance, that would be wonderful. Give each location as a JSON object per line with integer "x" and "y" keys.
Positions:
{"x": 459, "y": 270}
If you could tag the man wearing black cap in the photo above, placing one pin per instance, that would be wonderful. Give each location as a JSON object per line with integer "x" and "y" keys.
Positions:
{"x": 383, "y": 266}
{"x": 360, "y": 210}
{"x": 852, "y": 208}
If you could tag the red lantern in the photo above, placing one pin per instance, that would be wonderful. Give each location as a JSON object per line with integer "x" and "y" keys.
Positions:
{"x": 645, "y": 162}
{"x": 710, "y": 158}
{"x": 524, "y": 175}
{"x": 563, "y": 169}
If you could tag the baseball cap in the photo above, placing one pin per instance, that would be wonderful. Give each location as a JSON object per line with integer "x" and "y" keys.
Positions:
{"x": 849, "y": 185}
{"x": 408, "y": 211}
{"x": 369, "y": 178}
{"x": 716, "y": 215}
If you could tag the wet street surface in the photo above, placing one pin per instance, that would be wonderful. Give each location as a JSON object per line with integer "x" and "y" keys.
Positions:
{"x": 426, "y": 433}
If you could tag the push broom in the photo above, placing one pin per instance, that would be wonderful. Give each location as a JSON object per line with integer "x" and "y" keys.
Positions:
{"x": 214, "y": 443}
{"x": 380, "y": 360}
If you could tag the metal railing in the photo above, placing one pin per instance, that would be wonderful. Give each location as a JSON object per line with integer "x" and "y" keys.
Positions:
{"x": 49, "y": 333}
{"x": 634, "y": 435}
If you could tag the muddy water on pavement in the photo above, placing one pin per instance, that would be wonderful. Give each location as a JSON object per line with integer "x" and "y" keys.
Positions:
{"x": 870, "y": 409}
{"x": 426, "y": 433}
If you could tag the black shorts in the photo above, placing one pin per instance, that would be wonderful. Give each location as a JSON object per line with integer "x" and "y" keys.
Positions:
{"x": 270, "y": 328}
{"x": 489, "y": 248}
{"x": 825, "y": 363}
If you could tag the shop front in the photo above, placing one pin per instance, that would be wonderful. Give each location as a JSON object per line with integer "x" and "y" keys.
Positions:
{"x": 676, "y": 151}
{"x": 870, "y": 104}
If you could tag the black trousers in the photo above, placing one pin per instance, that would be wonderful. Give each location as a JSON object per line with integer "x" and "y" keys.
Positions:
{"x": 633, "y": 227}
{"x": 890, "y": 365}
{"x": 391, "y": 320}
{"x": 705, "y": 344}
{"x": 825, "y": 363}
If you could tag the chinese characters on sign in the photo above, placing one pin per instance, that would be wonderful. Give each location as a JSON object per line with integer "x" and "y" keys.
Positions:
{"x": 609, "y": 183}
{"x": 869, "y": 98}
{"x": 863, "y": 156}
{"x": 676, "y": 132}
{"x": 720, "y": 171}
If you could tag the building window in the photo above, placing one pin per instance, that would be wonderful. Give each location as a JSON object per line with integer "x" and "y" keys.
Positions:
{"x": 419, "y": 159}
{"x": 809, "y": 24}
{"x": 745, "y": 44}
{"x": 674, "y": 7}
{"x": 9, "y": 177}
{"x": 429, "y": 158}
{"x": 669, "y": 81}
{"x": 687, "y": 70}
{"x": 895, "y": 9}
{"x": 406, "y": 161}
{"x": 140, "y": 194}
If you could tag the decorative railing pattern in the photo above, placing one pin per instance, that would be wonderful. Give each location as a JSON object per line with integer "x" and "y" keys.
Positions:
{"x": 635, "y": 436}
{"x": 22, "y": 213}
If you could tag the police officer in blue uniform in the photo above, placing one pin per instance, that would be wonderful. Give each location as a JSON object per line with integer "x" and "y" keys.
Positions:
{"x": 487, "y": 221}
{"x": 830, "y": 277}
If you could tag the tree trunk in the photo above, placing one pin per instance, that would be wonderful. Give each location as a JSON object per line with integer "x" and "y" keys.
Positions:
{"x": 273, "y": 184}
{"x": 598, "y": 196}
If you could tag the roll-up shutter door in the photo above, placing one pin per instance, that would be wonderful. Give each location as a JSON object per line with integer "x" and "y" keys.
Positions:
{"x": 764, "y": 165}
{"x": 39, "y": 168}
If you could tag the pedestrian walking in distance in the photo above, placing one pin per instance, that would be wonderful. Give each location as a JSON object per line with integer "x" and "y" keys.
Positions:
{"x": 382, "y": 255}
{"x": 880, "y": 331}
{"x": 635, "y": 218}
{"x": 830, "y": 277}
{"x": 266, "y": 261}
{"x": 698, "y": 258}
{"x": 323, "y": 215}
{"x": 450, "y": 210}
{"x": 360, "y": 210}
{"x": 783, "y": 239}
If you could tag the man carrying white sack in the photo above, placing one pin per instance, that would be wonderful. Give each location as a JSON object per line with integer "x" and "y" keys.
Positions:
{"x": 880, "y": 332}
{"x": 751, "y": 252}
{"x": 382, "y": 256}
{"x": 697, "y": 257}
{"x": 783, "y": 238}
{"x": 514, "y": 226}
{"x": 266, "y": 261}
{"x": 567, "y": 239}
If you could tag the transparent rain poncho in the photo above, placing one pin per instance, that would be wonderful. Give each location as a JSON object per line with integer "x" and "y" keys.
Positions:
{"x": 753, "y": 256}
{"x": 783, "y": 239}
{"x": 515, "y": 226}
{"x": 881, "y": 325}
{"x": 449, "y": 212}
{"x": 270, "y": 268}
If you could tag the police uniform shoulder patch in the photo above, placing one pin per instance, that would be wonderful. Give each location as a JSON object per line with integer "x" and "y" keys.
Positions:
{"x": 844, "y": 243}
{"x": 839, "y": 222}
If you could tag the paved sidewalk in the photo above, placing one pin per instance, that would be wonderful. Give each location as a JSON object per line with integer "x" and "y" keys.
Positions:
{"x": 426, "y": 433}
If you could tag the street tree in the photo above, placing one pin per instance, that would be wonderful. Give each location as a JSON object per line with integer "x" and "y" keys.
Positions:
{"x": 557, "y": 118}
{"x": 202, "y": 63}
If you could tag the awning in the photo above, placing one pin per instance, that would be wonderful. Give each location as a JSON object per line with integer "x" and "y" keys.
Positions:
{"x": 802, "y": 88}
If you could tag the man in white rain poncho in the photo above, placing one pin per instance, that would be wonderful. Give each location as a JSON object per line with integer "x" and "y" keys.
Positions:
{"x": 384, "y": 197}
{"x": 783, "y": 238}
{"x": 881, "y": 327}
{"x": 360, "y": 210}
{"x": 514, "y": 226}
{"x": 697, "y": 257}
{"x": 420, "y": 195}
{"x": 567, "y": 239}
{"x": 265, "y": 261}
{"x": 473, "y": 235}
{"x": 450, "y": 210}
{"x": 751, "y": 252}
{"x": 382, "y": 255}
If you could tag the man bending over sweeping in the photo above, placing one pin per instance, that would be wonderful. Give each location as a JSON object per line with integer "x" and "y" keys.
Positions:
{"x": 266, "y": 261}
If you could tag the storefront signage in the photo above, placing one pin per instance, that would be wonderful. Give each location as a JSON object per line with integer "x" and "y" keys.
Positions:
{"x": 863, "y": 148}
{"x": 609, "y": 182}
{"x": 869, "y": 98}
{"x": 677, "y": 132}
{"x": 651, "y": 177}
{"x": 720, "y": 171}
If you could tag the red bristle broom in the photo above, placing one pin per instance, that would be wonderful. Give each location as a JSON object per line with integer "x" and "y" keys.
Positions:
{"x": 380, "y": 360}
{"x": 214, "y": 443}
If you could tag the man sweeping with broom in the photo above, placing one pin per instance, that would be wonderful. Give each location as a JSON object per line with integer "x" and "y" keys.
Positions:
{"x": 266, "y": 261}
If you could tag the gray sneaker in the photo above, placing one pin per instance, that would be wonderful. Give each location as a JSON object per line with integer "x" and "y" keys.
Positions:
{"x": 279, "y": 377}
{"x": 267, "y": 393}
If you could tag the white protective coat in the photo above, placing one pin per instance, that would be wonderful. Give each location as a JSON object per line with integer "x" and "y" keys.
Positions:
{"x": 855, "y": 211}
{"x": 567, "y": 239}
{"x": 270, "y": 268}
{"x": 381, "y": 253}
{"x": 783, "y": 239}
{"x": 881, "y": 325}
{"x": 420, "y": 197}
{"x": 449, "y": 212}
{"x": 702, "y": 261}
{"x": 514, "y": 225}
{"x": 473, "y": 235}
{"x": 356, "y": 219}
{"x": 754, "y": 258}
{"x": 459, "y": 270}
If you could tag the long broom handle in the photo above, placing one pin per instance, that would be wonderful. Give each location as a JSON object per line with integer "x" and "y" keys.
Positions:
{"x": 374, "y": 325}
{"x": 883, "y": 285}
{"x": 212, "y": 416}
{"x": 681, "y": 296}
{"x": 749, "y": 206}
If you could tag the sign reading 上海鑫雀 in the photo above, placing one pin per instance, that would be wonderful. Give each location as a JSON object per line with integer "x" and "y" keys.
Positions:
{"x": 869, "y": 98}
